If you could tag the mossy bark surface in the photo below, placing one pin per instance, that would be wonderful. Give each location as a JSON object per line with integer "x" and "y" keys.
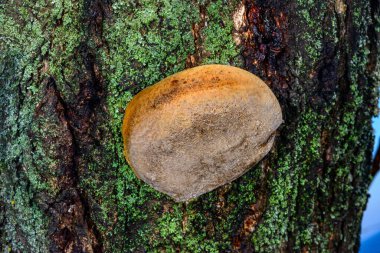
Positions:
{"x": 69, "y": 68}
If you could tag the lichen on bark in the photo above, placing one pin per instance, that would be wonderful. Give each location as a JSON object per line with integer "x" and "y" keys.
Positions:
{"x": 69, "y": 68}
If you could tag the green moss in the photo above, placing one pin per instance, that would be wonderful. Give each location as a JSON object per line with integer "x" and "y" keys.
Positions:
{"x": 218, "y": 42}
{"x": 63, "y": 57}
{"x": 148, "y": 42}
{"x": 291, "y": 187}
{"x": 297, "y": 183}
{"x": 316, "y": 28}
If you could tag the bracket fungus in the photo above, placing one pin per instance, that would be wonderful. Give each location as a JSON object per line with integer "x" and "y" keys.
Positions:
{"x": 199, "y": 129}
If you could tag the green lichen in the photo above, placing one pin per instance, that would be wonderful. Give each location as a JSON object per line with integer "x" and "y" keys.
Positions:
{"x": 38, "y": 39}
{"x": 25, "y": 225}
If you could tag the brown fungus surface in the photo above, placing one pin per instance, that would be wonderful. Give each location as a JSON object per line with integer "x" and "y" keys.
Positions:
{"x": 199, "y": 129}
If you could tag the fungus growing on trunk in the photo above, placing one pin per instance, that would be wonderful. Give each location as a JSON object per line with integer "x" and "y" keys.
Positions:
{"x": 199, "y": 129}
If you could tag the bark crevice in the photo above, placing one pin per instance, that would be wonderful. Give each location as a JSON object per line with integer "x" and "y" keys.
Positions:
{"x": 72, "y": 228}
{"x": 195, "y": 59}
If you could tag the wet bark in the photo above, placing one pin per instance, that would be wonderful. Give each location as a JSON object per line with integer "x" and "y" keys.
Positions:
{"x": 69, "y": 68}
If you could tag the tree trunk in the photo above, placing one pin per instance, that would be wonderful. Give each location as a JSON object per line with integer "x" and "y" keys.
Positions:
{"x": 69, "y": 68}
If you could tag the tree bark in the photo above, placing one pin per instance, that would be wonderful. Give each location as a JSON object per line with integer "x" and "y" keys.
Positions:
{"x": 69, "y": 68}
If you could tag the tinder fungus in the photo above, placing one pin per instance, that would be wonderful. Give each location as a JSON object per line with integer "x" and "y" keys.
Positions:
{"x": 199, "y": 129}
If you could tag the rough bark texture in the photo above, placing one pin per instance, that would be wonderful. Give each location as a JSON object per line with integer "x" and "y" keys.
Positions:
{"x": 68, "y": 69}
